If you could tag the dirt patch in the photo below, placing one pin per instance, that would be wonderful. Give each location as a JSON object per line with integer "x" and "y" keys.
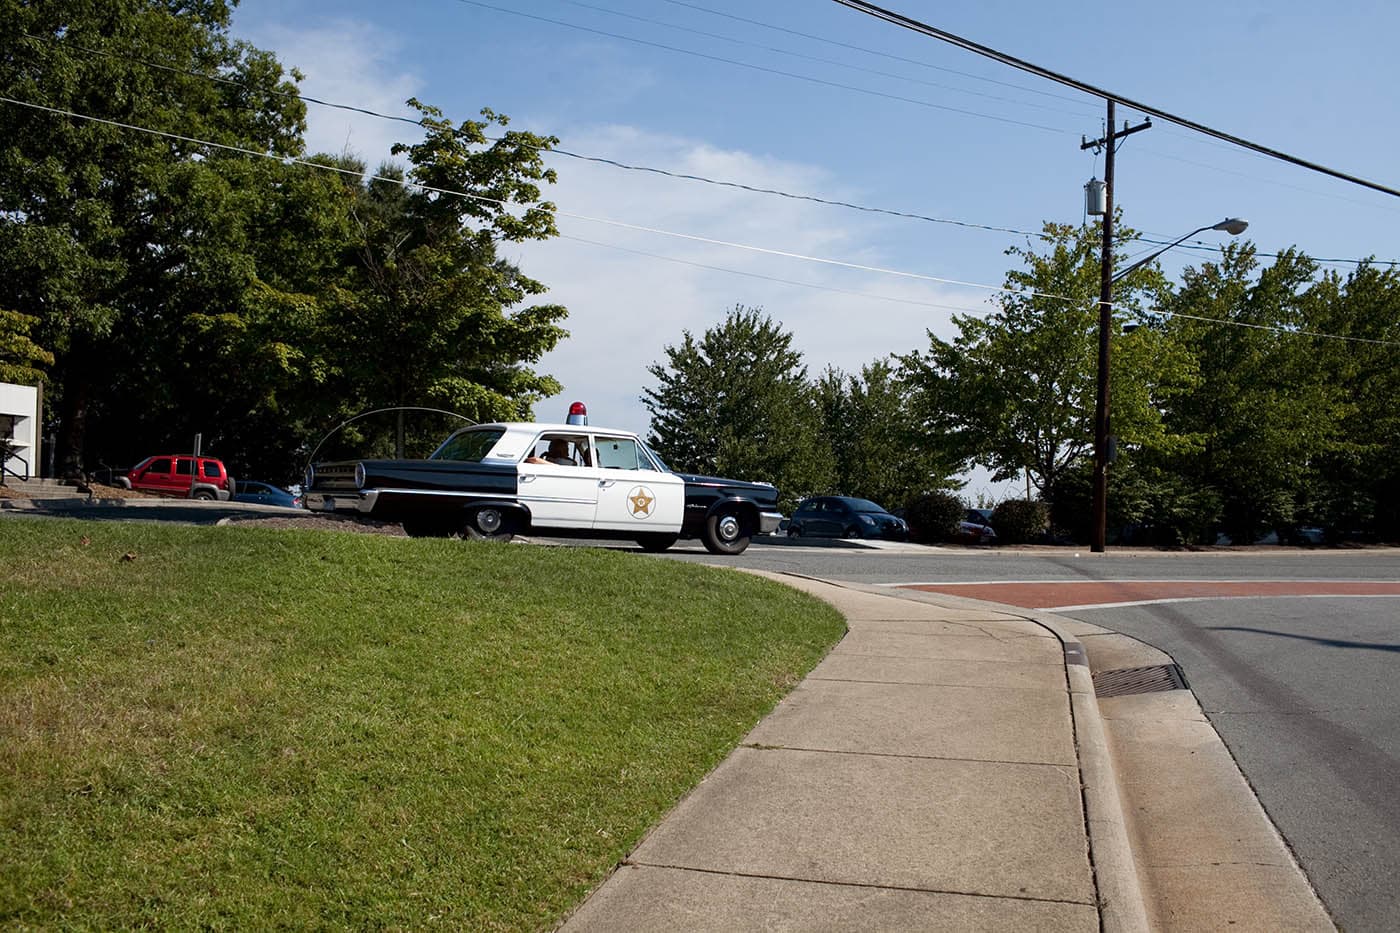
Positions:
{"x": 100, "y": 491}
{"x": 314, "y": 522}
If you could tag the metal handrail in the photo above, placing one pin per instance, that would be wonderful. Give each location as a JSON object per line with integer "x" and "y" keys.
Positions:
{"x": 4, "y": 468}
{"x": 379, "y": 411}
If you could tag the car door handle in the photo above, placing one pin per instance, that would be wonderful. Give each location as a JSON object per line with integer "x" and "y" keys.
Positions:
{"x": 527, "y": 477}
{"x": 605, "y": 483}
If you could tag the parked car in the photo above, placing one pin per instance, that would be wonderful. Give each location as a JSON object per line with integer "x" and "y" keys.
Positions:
{"x": 845, "y": 517}
{"x": 493, "y": 481}
{"x": 178, "y": 475}
{"x": 261, "y": 493}
{"x": 976, "y": 527}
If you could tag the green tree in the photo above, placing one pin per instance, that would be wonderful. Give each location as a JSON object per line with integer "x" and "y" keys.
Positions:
{"x": 1015, "y": 390}
{"x": 110, "y": 236}
{"x": 737, "y": 403}
{"x": 427, "y": 312}
{"x": 1262, "y": 409}
{"x": 876, "y": 450}
{"x": 1355, "y": 486}
{"x": 21, "y": 359}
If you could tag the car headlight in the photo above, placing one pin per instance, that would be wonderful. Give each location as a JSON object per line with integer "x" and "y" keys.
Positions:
{"x": 359, "y": 476}
{"x": 867, "y": 519}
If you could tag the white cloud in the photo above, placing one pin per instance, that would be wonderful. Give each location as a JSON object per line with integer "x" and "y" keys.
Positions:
{"x": 348, "y": 61}
{"x": 624, "y": 308}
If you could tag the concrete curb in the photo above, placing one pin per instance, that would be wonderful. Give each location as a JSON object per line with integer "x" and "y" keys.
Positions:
{"x": 1122, "y": 907}
{"x": 59, "y": 504}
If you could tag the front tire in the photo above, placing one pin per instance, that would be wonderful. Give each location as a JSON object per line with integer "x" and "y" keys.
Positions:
{"x": 488, "y": 524}
{"x": 656, "y": 543}
{"x": 852, "y": 532}
{"x": 725, "y": 534}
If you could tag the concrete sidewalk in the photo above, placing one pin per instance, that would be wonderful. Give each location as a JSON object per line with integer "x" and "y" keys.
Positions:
{"x": 926, "y": 775}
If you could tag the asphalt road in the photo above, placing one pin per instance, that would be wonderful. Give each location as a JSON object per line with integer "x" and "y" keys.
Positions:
{"x": 1303, "y": 693}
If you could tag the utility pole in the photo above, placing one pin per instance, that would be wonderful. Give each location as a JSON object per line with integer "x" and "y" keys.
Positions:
{"x": 1107, "y": 143}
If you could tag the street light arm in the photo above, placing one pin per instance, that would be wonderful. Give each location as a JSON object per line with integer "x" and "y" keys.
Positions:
{"x": 1231, "y": 225}
{"x": 1153, "y": 255}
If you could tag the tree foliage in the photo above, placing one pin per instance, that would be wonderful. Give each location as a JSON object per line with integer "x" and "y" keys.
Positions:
{"x": 188, "y": 288}
{"x": 21, "y": 359}
{"x": 422, "y": 315}
{"x": 736, "y": 402}
{"x": 1015, "y": 389}
{"x": 933, "y": 517}
{"x": 876, "y": 449}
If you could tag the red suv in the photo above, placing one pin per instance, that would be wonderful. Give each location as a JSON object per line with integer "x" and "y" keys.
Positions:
{"x": 173, "y": 475}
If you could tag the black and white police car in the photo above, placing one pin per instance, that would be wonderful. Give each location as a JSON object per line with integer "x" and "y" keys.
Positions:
{"x": 494, "y": 481}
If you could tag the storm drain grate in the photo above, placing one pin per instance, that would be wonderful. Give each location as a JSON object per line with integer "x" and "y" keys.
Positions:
{"x": 1138, "y": 680}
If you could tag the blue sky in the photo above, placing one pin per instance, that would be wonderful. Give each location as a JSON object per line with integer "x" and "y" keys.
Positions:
{"x": 974, "y": 142}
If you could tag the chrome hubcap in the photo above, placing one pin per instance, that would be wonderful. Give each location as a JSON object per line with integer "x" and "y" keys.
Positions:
{"x": 729, "y": 528}
{"x": 489, "y": 521}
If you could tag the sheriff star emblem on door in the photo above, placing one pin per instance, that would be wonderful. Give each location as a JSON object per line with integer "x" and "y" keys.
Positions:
{"x": 640, "y": 501}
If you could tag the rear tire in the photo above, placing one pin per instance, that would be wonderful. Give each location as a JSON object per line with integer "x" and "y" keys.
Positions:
{"x": 488, "y": 524}
{"x": 203, "y": 495}
{"x": 725, "y": 534}
{"x": 656, "y": 543}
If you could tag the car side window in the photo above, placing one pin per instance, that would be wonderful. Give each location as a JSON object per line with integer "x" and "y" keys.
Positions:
{"x": 619, "y": 453}
{"x": 210, "y": 468}
{"x": 184, "y": 466}
{"x": 160, "y": 466}
{"x": 468, "y": 445}
{"x": 560, "y": 450}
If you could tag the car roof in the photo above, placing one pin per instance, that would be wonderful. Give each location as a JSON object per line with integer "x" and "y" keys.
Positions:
{"x": 549, "y": 426}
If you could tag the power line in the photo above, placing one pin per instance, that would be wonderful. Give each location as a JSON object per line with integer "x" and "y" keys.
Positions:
{"x": 419, "y": 122}
{"x": 858, "y": 48}
{"x": 1022, "y": 293}
{"x": 773, "y": 71}
{"x": 787, "y": 254}
{"x": 768, "y": 278}
{"x": 813, "y": 58}
{"x": 986, "y": 51}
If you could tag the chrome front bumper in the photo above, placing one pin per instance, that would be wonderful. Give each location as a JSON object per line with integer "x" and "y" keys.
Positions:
{"x": 768, "y": 522}
{"x": 341, "y": 502}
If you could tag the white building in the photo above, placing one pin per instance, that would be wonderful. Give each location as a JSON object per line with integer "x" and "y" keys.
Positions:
{"x": 19, "y": 421}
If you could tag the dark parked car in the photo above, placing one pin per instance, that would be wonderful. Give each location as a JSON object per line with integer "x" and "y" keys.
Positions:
{"x": 845, "y": 517}
{"x": 256, "y": 491}
{"x": 976, "y": 527}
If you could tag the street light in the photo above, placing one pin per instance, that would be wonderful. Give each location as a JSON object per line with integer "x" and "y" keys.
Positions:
{"x": 1231, "y": 225}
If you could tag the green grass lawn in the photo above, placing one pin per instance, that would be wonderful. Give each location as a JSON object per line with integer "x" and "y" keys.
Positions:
{"x": 243, "y": 728}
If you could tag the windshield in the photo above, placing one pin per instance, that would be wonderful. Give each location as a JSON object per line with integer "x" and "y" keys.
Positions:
{"x": 862, "y": 505}
{"x": 470, "y": 444}
{"x": 655, "y": 456}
